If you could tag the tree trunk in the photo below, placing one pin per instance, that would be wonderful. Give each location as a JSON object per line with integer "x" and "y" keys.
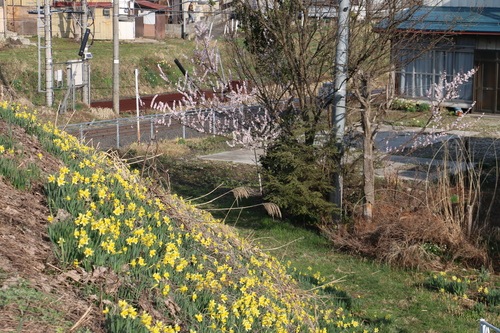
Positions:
{"x": 368, "y": 170}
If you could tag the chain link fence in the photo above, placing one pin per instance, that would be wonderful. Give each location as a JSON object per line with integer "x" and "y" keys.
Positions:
{"x": 122, "y": 132}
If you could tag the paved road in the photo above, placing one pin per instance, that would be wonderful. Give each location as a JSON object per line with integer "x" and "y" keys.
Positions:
{"x": 406, "y": 167}
{"x": 386, "y": 141}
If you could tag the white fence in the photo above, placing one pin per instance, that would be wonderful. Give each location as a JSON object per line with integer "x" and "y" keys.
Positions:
{"x": 484, "y": 327}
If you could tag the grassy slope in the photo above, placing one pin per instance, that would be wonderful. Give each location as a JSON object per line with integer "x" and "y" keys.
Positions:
{"x": 398, "y": 301}
{"x": 19, "y": 67}
{"x": 154, "y": 262}
{"x": 383, "y": 291}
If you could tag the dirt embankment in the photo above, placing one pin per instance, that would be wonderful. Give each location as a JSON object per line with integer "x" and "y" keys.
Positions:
{"x": 35, "y": 293}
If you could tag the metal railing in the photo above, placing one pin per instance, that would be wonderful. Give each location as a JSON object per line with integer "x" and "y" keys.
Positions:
{"x": 103, "y": 123}
{"x": 116, "y": 133}
{"x": 122, "y": 132}
{"x": 484, "y": 327}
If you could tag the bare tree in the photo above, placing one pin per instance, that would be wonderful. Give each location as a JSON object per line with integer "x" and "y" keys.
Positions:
{"x": 288, "y": 54}
{"x": 283, "y": 55}
{"x": 383, "y": 40}
{"x": 287, "y": 51}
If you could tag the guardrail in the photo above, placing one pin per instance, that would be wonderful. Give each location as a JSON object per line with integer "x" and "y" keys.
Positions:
{"x": 484, "y": 327}
{"x": 103, "y": 123}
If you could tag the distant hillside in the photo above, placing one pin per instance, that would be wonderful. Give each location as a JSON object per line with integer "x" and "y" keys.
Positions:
{"x": 19, "y": 68}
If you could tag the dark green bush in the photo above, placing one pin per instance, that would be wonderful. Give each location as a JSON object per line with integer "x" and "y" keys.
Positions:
{"x": 299, "y": 179}
{"x": 493, "y": 297}
{"x": 424, "y": 107}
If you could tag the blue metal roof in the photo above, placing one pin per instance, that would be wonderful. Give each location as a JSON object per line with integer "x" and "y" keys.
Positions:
{"x": 465, "y": 20}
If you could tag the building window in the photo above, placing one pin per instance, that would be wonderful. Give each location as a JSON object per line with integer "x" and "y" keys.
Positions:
{"x": 106, "y": 12}
{"x": 417, "y": 79}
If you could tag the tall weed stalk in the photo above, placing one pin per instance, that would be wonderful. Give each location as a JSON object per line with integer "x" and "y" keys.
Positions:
{"x": 464, "y": 195}
{"x": 457, "y": 192}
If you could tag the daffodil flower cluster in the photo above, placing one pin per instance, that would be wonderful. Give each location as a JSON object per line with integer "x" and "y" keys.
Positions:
{"x": 198, "y": 273}
{"x": 18, "y": 165}
{"x": 454, "y": 285}
{"x": 409, "y": 106}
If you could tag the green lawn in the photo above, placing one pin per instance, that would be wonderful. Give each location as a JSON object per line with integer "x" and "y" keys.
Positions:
{"x": 394, "y": 300}
{"x": 19, "y": 66}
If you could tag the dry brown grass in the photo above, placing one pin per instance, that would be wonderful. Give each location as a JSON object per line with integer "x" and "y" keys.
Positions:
{"x": 429, "y": 224}
{"x": 413, "y": 228}
{"x": 103, "y": 113}
{"x": 165, "y": 147}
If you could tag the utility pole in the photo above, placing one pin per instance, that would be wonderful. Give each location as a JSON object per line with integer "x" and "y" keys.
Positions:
{"x": 116, "y": 58}
{"x": 136, "y": 74}
{"x": 85, "y": 62}
{"x": 340, "y": 91}
{"x": 184, "y": 27}
{"x": 4, "y": 9}
{"x": 49, "y": 91}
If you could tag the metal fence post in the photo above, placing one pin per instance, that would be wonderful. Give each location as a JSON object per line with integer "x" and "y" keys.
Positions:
{"x": 152, "y": 129}
{"x": 117, "y": 133}
{"x": 483, "y": 328}
{"x": 213, "y": 121}
{"x": 81, "y": 133}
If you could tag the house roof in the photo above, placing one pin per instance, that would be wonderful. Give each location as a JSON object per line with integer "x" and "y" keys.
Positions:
{"x": 458, "y": 20}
